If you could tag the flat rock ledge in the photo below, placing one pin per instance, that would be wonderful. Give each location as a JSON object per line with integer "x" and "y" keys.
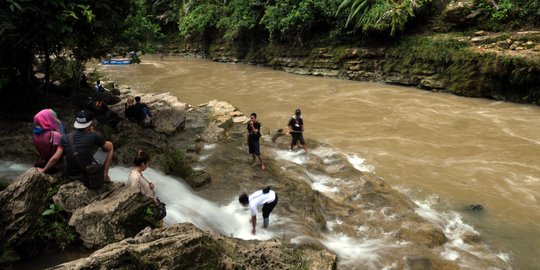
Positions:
{"x": 184, "y": 246}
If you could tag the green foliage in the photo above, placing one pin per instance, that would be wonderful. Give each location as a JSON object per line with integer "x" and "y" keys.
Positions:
{"x": 381, "y": 15}
{"x": 53, "y": 228}
{"x": 200, "y": 19}
{"x": 439, "y": 50}
{"x": 509, "y": 13}
{"x": 76, "y": 29}
{"x": 291, "y": 20}
{"x": 141, "y": 31}
{"x": 239, "y": 17}
{"x": 174, "y": 163}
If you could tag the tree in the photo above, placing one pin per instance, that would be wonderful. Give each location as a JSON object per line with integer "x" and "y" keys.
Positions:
{"x": 33, "y": 30}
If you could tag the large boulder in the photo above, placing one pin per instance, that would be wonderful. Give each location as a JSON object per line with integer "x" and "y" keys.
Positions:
{"x": 122, "y": 214}
{"x": 460, "y": 12}
{"x": 74, "y": 195}
{"x": 168, "y": 114}
{"x": 21, "y": 205}
{"x": 220, "y": 119}
{"x": 183, "y": 246}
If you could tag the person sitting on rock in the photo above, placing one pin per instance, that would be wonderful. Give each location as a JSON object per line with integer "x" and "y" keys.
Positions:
{"x": 137, "y": 180}
{"x": 90, "y": 147}
{"x": 99, "y": 88}
{"x": 265, "y": 197}
{"x": 48, "y": 130}
{"x": 141, "y": 110}
{"x": 100, "y": 111}
{"x": 129, "y": 108}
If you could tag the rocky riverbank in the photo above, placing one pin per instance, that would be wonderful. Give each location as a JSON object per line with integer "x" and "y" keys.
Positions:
{"x": 364, "y": 207}
{"x": 500, "y": 66}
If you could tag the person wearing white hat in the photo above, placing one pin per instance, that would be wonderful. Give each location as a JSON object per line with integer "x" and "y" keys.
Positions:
{"x": 89, "y": 147}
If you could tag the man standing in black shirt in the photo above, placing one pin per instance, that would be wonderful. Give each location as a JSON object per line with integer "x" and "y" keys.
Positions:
{"x": 296, "y": 129}
{"x": 254, "y": 133}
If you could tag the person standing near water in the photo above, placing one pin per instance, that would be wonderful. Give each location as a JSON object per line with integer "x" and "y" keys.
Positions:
{"x": 254, "y": 133}
{"x": 296, "y": 129}
{"x": 265, "y": 197}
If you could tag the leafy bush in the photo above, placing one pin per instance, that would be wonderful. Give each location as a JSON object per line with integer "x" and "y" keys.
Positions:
{"x": 174, "y": 163}
{"x": 510, "y": 13}
{"x": 141, "y": 32}
{"x": 200, "y": 20}
{"x": 381, "y": 15}
{"x": 53, "y": 228}
{"x": 240, "y": 17}
{"x": 290, "y": 20}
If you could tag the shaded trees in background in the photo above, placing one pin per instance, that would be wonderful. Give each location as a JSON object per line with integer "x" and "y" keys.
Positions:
{"x": 294, "y": 21}
{"x": 141, "y": 32}
{"x": 66, "y": 31}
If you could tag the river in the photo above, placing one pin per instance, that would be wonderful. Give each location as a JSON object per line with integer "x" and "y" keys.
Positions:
{"x": 440, "y": 149}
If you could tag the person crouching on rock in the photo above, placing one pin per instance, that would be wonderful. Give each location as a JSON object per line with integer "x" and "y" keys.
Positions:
{"x": 137, "y": 180}
{"x": 265, "y": 197}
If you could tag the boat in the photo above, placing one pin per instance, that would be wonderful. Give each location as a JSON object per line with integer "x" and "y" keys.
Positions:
{"x": 116, "y": 62}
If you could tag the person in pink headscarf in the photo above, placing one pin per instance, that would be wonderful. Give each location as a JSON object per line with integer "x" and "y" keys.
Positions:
{"x": 48, "y": 130}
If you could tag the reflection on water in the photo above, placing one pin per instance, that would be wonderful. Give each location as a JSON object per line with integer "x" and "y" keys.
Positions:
{"x": 463, "y": 150}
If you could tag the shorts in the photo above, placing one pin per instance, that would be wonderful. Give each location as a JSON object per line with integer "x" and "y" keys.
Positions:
{"x": 254, "y": 147}
{"x": 297, "y": 137}
{"x": 268, "y": 207}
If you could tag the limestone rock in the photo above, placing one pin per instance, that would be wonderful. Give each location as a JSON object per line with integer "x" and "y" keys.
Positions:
{"x": 21, "y": 205}
{"x": 168, "y": 114}
{"x": 74, "y": 195}
{"x": 183, "y": 246}
{"x": 460, "y": 12}
{"x": 402, "y": 79}
{"x": 199, "y": 179}
{"x": 432, "y": 82}
{"x": 423, "y": 233}
{"x": 120, "y": 215}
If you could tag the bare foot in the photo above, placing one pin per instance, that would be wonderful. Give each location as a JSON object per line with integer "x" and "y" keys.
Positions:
{"x": 263, "y": 167}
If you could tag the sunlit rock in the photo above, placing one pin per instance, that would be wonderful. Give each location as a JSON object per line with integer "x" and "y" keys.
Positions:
{"x": 123, "y": 213}
{"x": 183, "y": 246}
{"x": 74, "y": 195}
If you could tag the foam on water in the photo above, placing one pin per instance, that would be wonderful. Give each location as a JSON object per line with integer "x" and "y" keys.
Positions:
{"x": 209, "y": 146}
{"x": 359, "y": 163}
{"x": 185, "y": 206}
{"x": 322, "y": 183}
{"x": 356, "y": 252}
{"x": 10, "y": 167}
{"x": 298, "y": 157}
{"x": 456, "y": 231}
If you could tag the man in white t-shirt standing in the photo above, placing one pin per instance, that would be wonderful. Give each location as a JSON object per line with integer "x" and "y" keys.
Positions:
{"x": 265, "y": 197}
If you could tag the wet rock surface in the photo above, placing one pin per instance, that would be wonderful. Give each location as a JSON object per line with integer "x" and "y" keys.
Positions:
{"x": 183, "y": 246}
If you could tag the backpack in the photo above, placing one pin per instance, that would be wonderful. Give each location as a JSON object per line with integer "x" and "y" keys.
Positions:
{"x": 93, "y": 177}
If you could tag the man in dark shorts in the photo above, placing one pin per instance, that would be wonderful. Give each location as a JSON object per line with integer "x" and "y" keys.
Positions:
{"x": 296, "y": 129}
{"x": 89, "y": 145}
{"x": 265, "y": 197}
{"x": 254, "y": 133}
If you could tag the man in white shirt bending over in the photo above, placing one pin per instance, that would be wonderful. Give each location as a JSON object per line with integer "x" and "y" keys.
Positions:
{"x": 265, "y": 197}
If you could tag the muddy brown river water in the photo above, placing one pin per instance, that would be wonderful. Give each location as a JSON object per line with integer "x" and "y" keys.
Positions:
{"x": 438, "y": 148}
